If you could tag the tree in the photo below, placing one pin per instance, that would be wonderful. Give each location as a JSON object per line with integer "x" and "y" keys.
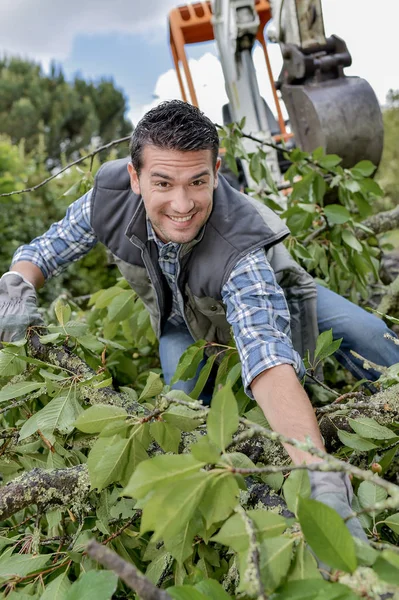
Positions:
{"x": 68, "y": 115}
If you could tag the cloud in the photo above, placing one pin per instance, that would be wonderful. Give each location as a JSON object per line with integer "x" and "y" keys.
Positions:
{"x": 208, "y": 80}
{"x": 45, "y": 29}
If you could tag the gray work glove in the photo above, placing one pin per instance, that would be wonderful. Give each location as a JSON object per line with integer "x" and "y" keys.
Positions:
{"x": 18, "y": 308}
{"x": 335, "y": 490}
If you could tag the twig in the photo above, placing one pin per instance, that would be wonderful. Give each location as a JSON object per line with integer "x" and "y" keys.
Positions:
{"x": 334, "y": 463}
{"x": 15, "y": 404}
{"x": 122, "y": 529}
{"x": 314, "y": 234}
{"x": 369, "y": 364}
{"x": 348, "y": 396}
{"x": 338, "y": 407}
{"x": 72, "y": 164}
{"x": 126, "y": 571}
{"x": 253, "y": 555}
{"x": 322, "y": 384}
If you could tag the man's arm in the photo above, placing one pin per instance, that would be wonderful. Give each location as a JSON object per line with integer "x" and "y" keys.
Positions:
{"x": 259, "y": 315}
{"x": 287, "y": 408}
{"x": 65, "y": 242}
{"x": 29, "y": 272}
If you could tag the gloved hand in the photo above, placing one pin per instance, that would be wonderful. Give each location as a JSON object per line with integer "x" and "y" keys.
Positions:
{"x": 18, "y": 308}
{"x": 335, "y": 490}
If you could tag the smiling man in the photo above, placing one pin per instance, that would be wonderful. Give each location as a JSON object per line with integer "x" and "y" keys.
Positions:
{"x": 207, "y": 261}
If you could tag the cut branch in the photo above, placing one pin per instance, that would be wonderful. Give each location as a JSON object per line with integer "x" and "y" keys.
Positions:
{"x": 61, "y": 487}
{"x": 126, "y": 571}
{"x": 381, "y": 222}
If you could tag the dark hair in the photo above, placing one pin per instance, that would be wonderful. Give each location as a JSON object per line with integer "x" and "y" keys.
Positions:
{"x": 174, "y": 125}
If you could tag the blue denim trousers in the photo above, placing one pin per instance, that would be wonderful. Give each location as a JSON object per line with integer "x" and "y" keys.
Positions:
{"x": 361, "y": 331}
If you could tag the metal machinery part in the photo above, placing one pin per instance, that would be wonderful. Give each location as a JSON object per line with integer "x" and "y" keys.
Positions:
{"x": 236, "y": 25}
{"x": 326, "y": 108}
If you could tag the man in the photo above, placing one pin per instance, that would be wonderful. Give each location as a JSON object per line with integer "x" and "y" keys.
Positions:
{"x": 204, "y": 259}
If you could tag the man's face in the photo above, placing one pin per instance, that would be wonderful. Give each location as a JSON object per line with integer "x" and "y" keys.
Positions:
{"x": 177, "y": 190}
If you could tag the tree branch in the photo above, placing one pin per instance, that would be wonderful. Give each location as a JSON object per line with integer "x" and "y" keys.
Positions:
{"x": 126, "y": 571}
{"x": 61, "y": 487}
{"x": 381, "y": 222}
{"x": 72, "y": 164}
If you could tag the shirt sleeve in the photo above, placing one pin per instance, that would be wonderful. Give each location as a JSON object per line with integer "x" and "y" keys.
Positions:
{"x": 258, "y": 313}
{"x": 65, "y": 241}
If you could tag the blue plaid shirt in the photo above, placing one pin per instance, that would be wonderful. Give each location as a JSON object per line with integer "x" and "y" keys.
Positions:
{"x": 255, "y": 305}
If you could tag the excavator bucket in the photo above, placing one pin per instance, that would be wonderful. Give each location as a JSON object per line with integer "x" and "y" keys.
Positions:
{"x": 341, "y": 115}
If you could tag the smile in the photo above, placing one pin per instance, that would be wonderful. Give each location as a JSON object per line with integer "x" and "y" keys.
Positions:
{"x": 181, "y": 219}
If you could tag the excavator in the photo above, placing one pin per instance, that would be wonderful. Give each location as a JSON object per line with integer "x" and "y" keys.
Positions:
{"x": 325, "y": 107}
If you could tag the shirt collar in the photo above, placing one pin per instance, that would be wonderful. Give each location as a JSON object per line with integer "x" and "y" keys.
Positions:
{"x": 185, "y": 248}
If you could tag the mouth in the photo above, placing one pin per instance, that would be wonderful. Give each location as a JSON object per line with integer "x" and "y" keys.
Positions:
{"x": 180, "y": 219}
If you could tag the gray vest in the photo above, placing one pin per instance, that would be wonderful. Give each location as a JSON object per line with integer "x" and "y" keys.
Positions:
{"x": 237, "y": 225}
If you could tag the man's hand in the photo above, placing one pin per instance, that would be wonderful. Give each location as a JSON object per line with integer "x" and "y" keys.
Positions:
{"x": 335, "y": 490}
{"x": 18, "y": 307}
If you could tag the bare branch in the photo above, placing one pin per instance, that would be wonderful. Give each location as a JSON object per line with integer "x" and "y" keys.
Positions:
{"x": 381, "y": 222}
{"x": 72, "y": 164}
{"x": 126, "y": 571}
{"x": 253, "y": 555}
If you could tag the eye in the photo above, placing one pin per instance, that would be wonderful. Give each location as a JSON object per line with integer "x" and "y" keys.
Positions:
{"x": 162, "y": 184}
{"x": 197, "y": 182}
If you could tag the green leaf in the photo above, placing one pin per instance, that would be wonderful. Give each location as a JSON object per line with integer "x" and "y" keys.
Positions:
{"x": 212, "y": 590}
{"x": 181, "y": 546}
{"x": 387, "y": 566}
{"x": 327, "y": 535}
{"x": 393, "y": 522}
{"x": 237, "y": 460}
{"x": 59, "y": 414}
{"x": 160, "y": 471}
{"x": 350, "y": 240}
{"x": 364, "y": 168}
{"x": 369, "y": 494}
{"x": 168, "y": 512}
{"x": 93, "y": 585}
{"x": 49, "y": 338}
{"x": 96, "y": 417}
{"x": 369, "y": 428}
{"x": 20, "y": 565}
{"x": 295, "y": 486}
{"x": 62, "y": 311}
{"x": 10, "y": 363}
{"x": 337, "y": 214}
{"x": 121, "y": 306}
{"x": 153, "y": 386}
{"x": 15, "y": 390}
{"x": 189, "y": 362}
{"x": 166, "y": 435}
{"x": 185, "y": 592}
{"x": 329, "y": 161}
{"x": 205, "y": 451}
{"x": 183, "y": 417}
{"x": 234, "y": 533}
{"x": 203, "y": 377}
{"x": 275, "y": 560}
{"x": 352, "y": 440}
{"x": 222, "y": 419}
{"x": 315, "y": 589}
{"x": 219, "y": 499}
{"x": 304, "y": 565}
{"x": 325, "y": 345}
{"x": 57, "y": 589}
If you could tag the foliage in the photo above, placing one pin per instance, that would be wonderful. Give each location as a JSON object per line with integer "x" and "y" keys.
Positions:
{"x": 324, "y": 210}
{"x": 388, "y": 172}
{"x": 65, "y": 115}
{"x": 202, "y": 501}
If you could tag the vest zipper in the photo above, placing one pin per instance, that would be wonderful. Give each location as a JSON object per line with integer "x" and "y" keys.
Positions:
{"x": 180, "y": 295}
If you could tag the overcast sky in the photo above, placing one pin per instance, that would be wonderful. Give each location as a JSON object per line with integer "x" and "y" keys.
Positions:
{"x": 128, "y": 41}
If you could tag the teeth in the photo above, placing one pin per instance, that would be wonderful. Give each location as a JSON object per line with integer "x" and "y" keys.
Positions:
{"x": 181, "y": 219}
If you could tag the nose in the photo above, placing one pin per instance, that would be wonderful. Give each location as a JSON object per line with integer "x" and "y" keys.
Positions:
{"x": 181, "y": 202}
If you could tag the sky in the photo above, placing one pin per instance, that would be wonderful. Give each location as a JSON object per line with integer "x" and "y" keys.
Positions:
{"x": 127, "y": 40}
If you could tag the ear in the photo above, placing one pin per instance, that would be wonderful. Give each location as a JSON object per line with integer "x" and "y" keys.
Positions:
{"x": 217, "y": 167}
{"x": 134, "y": 179}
